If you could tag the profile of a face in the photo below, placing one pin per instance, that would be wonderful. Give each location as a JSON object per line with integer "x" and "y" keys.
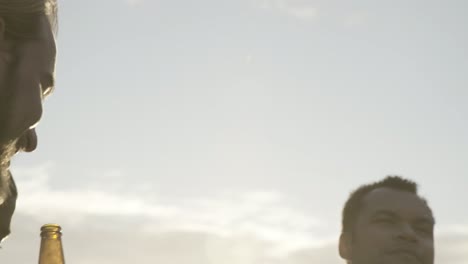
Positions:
{"x": 393, "y": 227}
{"x": 27, "y": 70}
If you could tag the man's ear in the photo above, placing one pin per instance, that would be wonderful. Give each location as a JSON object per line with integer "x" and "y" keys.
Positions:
{"x": 345, "y": 247}
{"x": 5, "y": 45}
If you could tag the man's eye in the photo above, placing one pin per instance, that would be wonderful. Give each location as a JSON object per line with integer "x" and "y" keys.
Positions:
{"x": 47, "y": 85}
{"x": 385, "y": 220}
{"x": 46, "y": 91}
{"x": 424, "y": 230}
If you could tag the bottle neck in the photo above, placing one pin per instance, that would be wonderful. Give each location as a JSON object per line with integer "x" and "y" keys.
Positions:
{"x": 51, "y": 251}
{"x": 51, "y": 236}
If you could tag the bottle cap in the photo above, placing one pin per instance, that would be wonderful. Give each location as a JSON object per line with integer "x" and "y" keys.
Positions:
{"x": 51, "y": 231}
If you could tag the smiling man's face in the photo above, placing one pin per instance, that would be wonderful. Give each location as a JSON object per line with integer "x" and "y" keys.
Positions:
{"x": 393, "y": 227}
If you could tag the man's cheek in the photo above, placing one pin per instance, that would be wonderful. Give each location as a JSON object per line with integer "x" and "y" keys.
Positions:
{"x": 429, "y": 252}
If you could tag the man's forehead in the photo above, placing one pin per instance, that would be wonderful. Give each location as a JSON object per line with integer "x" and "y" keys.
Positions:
{"x": 395, "y": 201}
{"x": 47, "y": 36}
{"x": 44, "y": 45}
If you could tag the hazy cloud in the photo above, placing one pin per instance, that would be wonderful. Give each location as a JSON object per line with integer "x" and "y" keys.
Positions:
{"x": 261, "y": 214}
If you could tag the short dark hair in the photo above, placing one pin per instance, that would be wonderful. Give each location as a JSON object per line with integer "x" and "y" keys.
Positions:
{"x": 21, "y": 16}
{"x": 353, "y": 205}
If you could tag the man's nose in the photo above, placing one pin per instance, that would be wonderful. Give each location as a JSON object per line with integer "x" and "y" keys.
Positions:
{"x": 407, "y": 233}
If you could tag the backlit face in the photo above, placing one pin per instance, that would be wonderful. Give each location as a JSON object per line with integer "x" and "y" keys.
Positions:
{"x": 394, "y": 227}
{"x": 26, "y": 78}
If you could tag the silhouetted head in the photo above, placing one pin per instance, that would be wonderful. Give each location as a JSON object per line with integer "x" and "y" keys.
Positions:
{"x": 387, "y": 222}
{"x": 27, "y": 69}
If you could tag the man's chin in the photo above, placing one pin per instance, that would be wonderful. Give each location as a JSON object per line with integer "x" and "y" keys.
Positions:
{"x": 6, "y": 154}
{"x": 4, "y": 168}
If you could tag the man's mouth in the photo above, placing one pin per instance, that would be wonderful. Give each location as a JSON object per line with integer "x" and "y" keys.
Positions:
{"x": 28, "y": 141}
{"x": 406, "y": 254}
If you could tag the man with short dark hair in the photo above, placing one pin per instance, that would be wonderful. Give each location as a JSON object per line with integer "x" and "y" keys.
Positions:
{"x": 27, "y": 69}
{"x": 387, "y": 222}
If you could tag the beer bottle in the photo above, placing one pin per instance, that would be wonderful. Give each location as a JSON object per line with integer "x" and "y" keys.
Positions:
{"x": 51, "y": 245}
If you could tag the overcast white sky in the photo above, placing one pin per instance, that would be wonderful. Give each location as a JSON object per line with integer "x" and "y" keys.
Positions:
{"x": 231, "y": 132}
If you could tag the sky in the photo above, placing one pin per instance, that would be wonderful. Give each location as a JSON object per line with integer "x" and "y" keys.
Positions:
{"x": 231, "y": 132}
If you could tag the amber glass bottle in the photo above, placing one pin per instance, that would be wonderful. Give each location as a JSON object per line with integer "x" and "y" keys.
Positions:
{"x": 51, "y": 245}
